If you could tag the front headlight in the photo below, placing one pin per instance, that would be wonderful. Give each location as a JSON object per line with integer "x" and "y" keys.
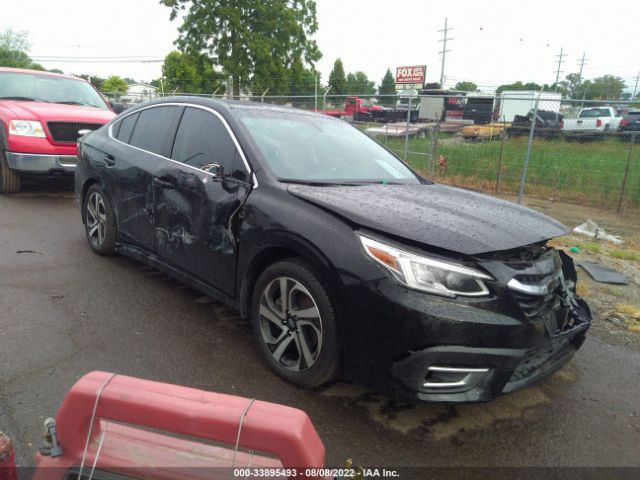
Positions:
{"x": 427, "y": 274}
{"x": 26, "y": 128}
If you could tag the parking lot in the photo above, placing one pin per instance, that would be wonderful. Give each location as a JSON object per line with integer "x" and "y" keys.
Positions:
{"x": 65, "y": 311}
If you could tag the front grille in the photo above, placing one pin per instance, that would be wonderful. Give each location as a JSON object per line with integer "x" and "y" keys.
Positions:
{"x": 68, "y": 131}
{"x": 535, "y": 307}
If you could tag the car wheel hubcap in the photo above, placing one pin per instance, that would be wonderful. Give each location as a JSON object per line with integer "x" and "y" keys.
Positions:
{"x": 96, "y": 219}
{"x": 290, "y": 324}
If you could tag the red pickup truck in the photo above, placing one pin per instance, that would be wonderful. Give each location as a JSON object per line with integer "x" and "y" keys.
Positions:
{"x": 41, "y": 115}
{"x": 358, "y": 108}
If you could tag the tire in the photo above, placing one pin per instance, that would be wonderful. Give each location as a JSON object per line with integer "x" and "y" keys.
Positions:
{"x": 99, "y": 221}
{"x": 9, "y": 179}
{"x": 281, "y": 338}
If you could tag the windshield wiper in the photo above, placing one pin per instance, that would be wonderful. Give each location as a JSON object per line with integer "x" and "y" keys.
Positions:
{"x": 76, "y": 103}
{"x": 317, "y": 183}
{"x": 24, "y": 99}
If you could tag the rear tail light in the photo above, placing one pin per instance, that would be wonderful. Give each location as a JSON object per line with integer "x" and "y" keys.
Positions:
{"x": 624, "y": 122}
{"x": 598, "y": 123}
{"x": 561, "y": 124}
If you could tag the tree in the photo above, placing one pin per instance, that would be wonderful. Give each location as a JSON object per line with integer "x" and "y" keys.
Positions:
{"x": 387, "y": 87}
{"x": 607, "y": 87}
{"x": 93, "y": 80}
{"x": 247, "y": 38}
{"x": 337, "y": 79}
{"x": 302, "y": 80}
{"x": 115, "y": 84}
{"x": 359, "y": 84}
{"x": 56, "y": 70}
{"x": 182, "y": 72}
{"x": 466, "y": 86}
{"x": 14, "y": 48}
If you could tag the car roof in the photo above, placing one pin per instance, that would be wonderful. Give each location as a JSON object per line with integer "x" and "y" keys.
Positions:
{"x": 230, "y": 105}
{"x": 39, "y": 72}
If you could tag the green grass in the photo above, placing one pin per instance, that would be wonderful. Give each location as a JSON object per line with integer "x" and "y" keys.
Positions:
{"x": 588, "y": 172}
{"x": 626, "y": 255}
{"x": 589, "y": 247}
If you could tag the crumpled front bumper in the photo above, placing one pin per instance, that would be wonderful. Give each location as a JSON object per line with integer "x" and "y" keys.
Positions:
{"x": 41, "y": 164}
{"x": 504, "y": 370}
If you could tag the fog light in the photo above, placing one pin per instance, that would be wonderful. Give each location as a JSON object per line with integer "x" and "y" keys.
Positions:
{"x": 453, "y": 378}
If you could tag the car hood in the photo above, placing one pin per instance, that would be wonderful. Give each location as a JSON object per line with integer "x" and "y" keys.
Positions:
{"x": 45, "y": 112}
{"x": 445, "y": 217}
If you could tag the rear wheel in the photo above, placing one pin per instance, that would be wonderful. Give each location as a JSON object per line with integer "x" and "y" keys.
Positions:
{"x": 9, "y": 179}
{"x": 99, "y": 221}
{"x": 294, "y": 324}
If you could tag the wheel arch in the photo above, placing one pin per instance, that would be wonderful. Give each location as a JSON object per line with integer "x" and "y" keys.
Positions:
{"x": 88, "y": 183}
{"x": 275, "y": 251}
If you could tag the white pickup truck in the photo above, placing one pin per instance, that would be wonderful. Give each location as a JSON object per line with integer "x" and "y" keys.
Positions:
{"x": 592, "y": 121}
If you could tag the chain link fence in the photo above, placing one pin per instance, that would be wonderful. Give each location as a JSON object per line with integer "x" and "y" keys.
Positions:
{"x": 575, "y": 158}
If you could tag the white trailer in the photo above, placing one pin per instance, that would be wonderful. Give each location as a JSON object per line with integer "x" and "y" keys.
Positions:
{"x": 514, "y": 103}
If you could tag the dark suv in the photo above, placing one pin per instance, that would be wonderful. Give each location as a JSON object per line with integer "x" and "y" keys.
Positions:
{"x": 347, "y": 262}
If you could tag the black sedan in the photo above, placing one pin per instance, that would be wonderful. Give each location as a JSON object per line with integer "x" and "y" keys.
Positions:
{"x": 348, "y": 263}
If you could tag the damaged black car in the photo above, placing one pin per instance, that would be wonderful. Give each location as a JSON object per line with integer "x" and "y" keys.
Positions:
{"x": 348, "y": 263}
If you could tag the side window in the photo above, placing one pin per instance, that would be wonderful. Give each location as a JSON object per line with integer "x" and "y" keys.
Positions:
{"x": 155, "y": 129}
{"x": 124, "y": 127}
{"x": 202, "y": 139}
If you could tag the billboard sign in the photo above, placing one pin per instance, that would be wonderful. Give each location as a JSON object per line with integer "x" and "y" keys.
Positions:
{"x": 414, "y": 74}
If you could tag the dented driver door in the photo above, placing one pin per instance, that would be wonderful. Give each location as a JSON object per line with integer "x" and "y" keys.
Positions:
{"x": 194, "y": 206}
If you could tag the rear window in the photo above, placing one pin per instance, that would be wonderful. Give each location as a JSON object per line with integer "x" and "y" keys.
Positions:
{"x": 595, "y": 112}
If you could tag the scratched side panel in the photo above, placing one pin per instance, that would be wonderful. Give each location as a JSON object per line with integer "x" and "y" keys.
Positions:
{"x": 195, "y": 222}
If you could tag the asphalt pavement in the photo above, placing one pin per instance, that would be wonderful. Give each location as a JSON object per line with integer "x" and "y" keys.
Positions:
{"x": 65, "y": 311}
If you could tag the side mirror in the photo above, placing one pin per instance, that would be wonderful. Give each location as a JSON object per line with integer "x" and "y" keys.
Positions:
{"x": 118, "y": 108}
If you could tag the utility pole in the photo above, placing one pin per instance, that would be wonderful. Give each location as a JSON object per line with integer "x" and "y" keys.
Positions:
{"x": 560, "y": 62}
{"x": 581, "y": 63}
{"x": 445, "y": 38}
{"x": 635, "y": 89}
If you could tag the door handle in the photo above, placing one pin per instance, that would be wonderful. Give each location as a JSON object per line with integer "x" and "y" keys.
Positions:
{"x": 162, "y": 183}
{"x": 109, "y": 160}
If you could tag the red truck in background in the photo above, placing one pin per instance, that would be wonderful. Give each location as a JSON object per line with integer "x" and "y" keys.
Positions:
{"x": 364, "y": 110}
{"x": 41, "y": 115}
{"x": 359, "y": 109}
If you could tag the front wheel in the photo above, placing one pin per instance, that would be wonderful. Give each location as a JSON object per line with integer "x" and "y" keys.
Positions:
{"x": 99, "y": 221}
{"x": 294, "y": 324}
{"x": 9, "y": 179}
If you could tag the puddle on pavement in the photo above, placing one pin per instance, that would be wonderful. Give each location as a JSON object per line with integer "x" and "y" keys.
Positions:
{"x": 444, "y": 421}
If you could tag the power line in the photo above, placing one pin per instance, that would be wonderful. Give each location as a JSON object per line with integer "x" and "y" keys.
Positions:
{"x": 560, "y": 62}
{"x": 444, "y": 51}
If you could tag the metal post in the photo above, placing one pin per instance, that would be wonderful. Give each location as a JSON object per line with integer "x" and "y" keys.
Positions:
{"x": 406, "y": 134}
{"x": 434, "y": 147}
{"x": 315, "y": 95}
{"x": 626, "y": 171}
{"x": 324, "y": 100}
{"x": 386, "y": 134}
{"x": 498, "y": 173}
{"x": 635, "y": 89}
{"x": 263, "y": 94}
{"x": 532, "y": 129}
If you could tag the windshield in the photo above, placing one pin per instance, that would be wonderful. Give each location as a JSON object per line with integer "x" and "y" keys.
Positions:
{"x": 310, "y": 148}
{"x": 46, "y": 88}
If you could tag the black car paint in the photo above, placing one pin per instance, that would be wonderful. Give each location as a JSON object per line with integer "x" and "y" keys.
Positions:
{"x": 218, "y": 234}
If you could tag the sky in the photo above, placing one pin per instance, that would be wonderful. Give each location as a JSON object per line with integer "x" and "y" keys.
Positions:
{"x": 493, "y": 43}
